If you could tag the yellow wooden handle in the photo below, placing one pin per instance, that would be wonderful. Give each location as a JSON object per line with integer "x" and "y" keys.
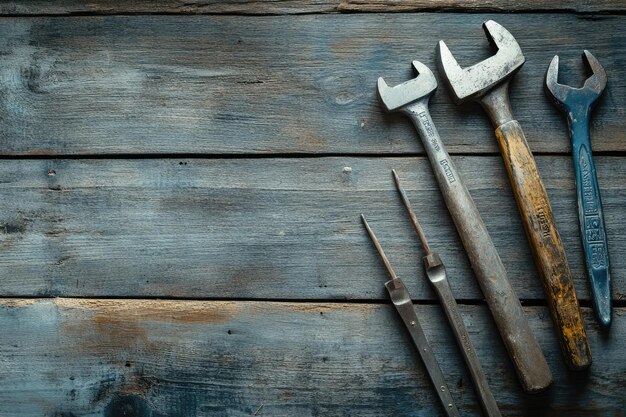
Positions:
{"x": 545, "y": 243}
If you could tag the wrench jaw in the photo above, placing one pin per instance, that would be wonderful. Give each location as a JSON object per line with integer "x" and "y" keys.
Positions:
{"x": 399, "y": 96}
{"x": 555, "y": 91}
{"x": 597, "y": 82}
{"x": 470, "y": 84}
{"x": 453, "y": 72}
{"x": 570, "y": 99}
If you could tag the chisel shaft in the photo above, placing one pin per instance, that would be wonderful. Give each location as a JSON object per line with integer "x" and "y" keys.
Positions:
{"x": 438, "y": 278}
{"x": 402, "y": 302}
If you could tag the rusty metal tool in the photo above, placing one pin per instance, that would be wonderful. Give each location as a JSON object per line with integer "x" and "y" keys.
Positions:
{"x": 411, "y": 98}
{"x": 576, "y": 104}
{"x": 487, "y": 82}
{"x": 402, "y": 301}
{"x": 436, "y": 273}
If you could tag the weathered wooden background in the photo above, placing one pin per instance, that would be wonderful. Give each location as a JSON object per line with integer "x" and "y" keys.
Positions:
{"x": 181, "y": 183}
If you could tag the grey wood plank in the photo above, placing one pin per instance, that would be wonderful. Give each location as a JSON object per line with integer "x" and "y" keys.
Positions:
{"x": 68, "y": 7}
{"x": 272, "y": 84}
{"x": 70, "y": 357}
{"x": 268, "y": 228}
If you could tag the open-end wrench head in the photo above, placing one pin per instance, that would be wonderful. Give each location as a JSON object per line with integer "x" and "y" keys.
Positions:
{"x": 473, "y": 82}
{"x": 566, "y": 96}
{"x": 394, "y": 98}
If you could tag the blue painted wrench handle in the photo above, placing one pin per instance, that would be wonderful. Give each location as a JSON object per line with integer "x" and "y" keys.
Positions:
{"x": 591, "y": 219}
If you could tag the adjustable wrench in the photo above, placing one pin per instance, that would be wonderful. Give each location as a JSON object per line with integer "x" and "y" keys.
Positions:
{"x": 576, "y": 104}
{"x": 411, "y": 98}
{"x": 487, "y": 82}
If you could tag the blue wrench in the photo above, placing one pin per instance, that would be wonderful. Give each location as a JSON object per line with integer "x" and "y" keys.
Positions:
{"x": 577, "y": 104}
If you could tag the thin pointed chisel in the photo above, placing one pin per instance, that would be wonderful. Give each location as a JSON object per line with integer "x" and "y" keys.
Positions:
{"x": 402, "y": 301}
{"x": 436, "y": 273}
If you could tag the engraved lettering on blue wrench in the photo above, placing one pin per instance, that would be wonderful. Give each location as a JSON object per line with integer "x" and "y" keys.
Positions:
{"x": 589, "y": 195}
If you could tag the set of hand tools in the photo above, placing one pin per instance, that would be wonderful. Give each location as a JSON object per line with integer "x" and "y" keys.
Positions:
{"x": 487, "y": 82}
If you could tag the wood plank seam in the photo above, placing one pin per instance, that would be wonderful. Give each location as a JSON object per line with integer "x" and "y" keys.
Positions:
{"x": 271, "y": 8}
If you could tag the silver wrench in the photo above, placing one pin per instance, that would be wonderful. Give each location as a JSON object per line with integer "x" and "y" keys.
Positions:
{"x": 411, "y": 98}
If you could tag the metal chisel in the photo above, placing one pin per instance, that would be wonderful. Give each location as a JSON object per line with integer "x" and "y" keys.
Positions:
{"x": 402, "y": 301}
{"x": 437, "y": 276}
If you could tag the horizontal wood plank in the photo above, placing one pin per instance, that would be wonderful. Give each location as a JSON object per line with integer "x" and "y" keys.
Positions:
{"x": 267, "y": 84}
{"x": 68, "y": 7}
{"x": 70, "y": 357}
{"x": 268, "y": 228}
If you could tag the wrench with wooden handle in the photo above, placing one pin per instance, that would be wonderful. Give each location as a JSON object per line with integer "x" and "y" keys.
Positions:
{"x": 487, "y": 82}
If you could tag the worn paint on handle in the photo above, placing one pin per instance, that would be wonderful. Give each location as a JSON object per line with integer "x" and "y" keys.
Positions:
{"x": 591, "y": 221}
{"x": 545, "y": 243}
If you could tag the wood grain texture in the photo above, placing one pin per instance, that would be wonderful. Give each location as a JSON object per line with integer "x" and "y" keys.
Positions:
{"x": 545, "y": 244}
{"x": 269, "y": 228}
{"x": 70, "y": 357}
{"x": 68, "y": 7}
{"x": 263, "y": 85}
